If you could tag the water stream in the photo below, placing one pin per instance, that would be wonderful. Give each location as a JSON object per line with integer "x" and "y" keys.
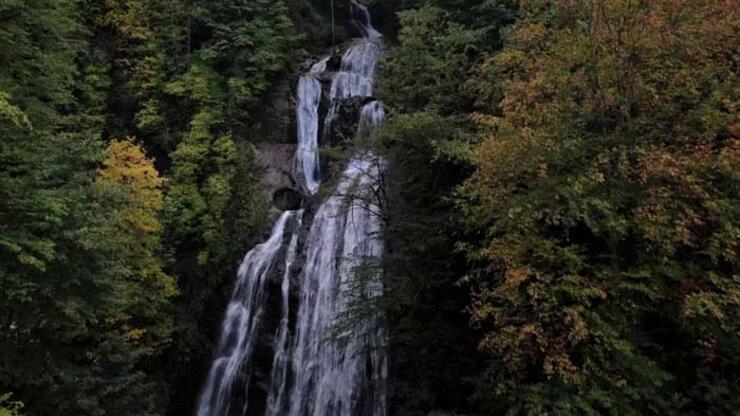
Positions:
{"x": 317, "y": 368}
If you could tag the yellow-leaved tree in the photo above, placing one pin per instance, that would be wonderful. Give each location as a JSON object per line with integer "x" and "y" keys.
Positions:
{"x": 130, "y": 177}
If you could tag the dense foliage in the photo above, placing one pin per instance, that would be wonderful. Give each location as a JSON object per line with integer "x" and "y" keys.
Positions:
{"x": 109, "y": 259}
{"x": 426, "y": 142}
{"x": 608, "y": 186}
{"x": 73, "y": 328}
{"x": 597, "y": 206}
{"x": 561, "y": 206}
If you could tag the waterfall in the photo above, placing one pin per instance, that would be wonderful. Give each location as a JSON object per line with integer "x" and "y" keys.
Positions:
{"x": 348, "y": 377}
{"x": 355, "y": 76}
{"x": 231, "y": 366}
{"x": 280, "y": 364}
{"x": 361, "y": 16}
{"x": 371, "y": 115}
{"x": 331, "y": 377}
{"x": 307, "y": 117}
{"x": 317, "y": 368}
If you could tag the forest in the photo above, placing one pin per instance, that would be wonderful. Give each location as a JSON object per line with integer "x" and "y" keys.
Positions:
{"x": 559, "y": 199}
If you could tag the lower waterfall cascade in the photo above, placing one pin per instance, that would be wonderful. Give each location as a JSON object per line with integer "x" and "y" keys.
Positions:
{"x": 315, "y": 368}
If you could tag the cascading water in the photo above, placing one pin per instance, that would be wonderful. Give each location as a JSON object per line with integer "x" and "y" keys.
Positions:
{"x": 280, "y": 363}
{"x": 307, "y": 116}
{"x": 317, "y": 368}
{"x": 361, "y": 16}
{"x": 356, "y": 72}
{"x": 355, "y": 76}
{"x": 332, "y": 378}
{"x": 231, "y": 367}
{"x": 371, "y": 115}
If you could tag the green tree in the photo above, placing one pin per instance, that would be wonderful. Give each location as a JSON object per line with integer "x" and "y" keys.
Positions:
{"x": 249, "y": 43}
{"x": 432, "y": 349}
{"x": 9, "y": 408}
{"x": 67, "y": 299}
{"x": 426, "y": 142}
{"x": 433, "y": 48}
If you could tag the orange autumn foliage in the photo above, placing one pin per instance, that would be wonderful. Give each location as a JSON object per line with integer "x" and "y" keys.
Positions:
{"x": 607, "y": 177}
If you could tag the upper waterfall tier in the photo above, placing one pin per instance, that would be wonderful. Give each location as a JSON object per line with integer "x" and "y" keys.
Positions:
{"x": 354, "y": 79}
{"x": 361, "y": 16}
{"x": 355, "y": 76}
{"x": 307, "y": 115}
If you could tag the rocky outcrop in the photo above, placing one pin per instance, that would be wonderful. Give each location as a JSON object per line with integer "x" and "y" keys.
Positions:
{"x": 276, "y": 161}
{"x": 343, "y": 124}
{"x": 276, "y": 127}
{"x": 275, "y": 122}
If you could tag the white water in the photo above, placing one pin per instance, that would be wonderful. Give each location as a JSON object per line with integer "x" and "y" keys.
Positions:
{"x": 281, "y": 361}
{"x": 343, "y": 378}
{"x": 355, "y": 76}
{"x": 307, "y": 117}
{"x": 315, "y": 371}
{"x": 332, "y": 378}
{"x": 231, "y": 366}
{"x": 357, "y": 70}
{"x": 307, "y": 154}
{"x": 371, "y": 115}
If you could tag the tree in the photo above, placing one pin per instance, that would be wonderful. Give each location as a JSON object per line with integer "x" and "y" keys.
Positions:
{"x": 607, "y": 186}
{"x": 9, "y": 408}
{"x": 433, "y": 48}
{"x": 129, "y": 175}
{"x": 426, "y": 143}
{"x": 432, "y": 350}
{"x": 249, "y": 43}
{"x": 66, "y": 345}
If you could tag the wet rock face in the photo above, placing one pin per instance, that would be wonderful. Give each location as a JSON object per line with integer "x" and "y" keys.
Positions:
{"x": 344, "y": 123}
{"x": 276, "y": 162}
{"x": 334, "y": 63}
{"x": 287, "y": 199}
{"x": 275, "y": 122}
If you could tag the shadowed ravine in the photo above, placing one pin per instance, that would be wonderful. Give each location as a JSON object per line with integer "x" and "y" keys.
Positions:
{"x": 309, "y": 371}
